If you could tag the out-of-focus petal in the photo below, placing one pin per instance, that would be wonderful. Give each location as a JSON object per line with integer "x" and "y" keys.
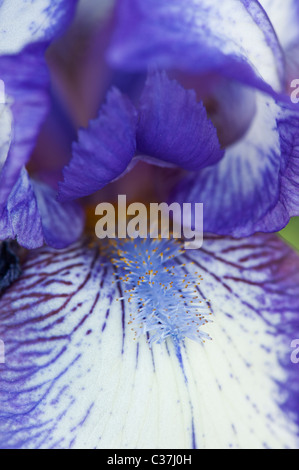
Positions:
{"x": 37, "y": 21}
{"x": 234, "y": 37}
{"x": 26, "y": 80}
{"x": 75, "y": 378}
{"x": 33, "y": 216}
{"x": 284, "y": 15}
{"x": 104, "y": 150}
{"x": 173, "y": 126}
{"x": 25, "y": 30}
{"x": 255, "y": 186}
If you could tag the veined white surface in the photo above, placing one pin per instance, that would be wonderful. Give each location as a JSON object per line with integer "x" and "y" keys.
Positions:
{"x": 75, "y": 377}
{"x": 239, "y": 34}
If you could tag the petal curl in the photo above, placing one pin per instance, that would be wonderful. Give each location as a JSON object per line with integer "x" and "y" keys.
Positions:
{"x": 255, "y": 186}
{"x": 174, "y": 127}
{"x": 33, "y": 216}
{"x": 287, "y": 205}
{"x": 75, "y": 378}
{"x": 232, "y": 36}
{"x": 104, "y": 150}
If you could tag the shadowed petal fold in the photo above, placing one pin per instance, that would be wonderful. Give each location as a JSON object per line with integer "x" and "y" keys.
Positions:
{"x": 75, "y": 378}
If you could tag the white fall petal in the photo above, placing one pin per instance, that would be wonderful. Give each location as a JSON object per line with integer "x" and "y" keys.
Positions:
{"x": 75, "y": 377}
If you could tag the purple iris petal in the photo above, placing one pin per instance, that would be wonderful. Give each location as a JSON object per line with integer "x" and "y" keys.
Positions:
{"x": 287, "y": 205}
{"x": 169, "y": 125}
{"x": 26, "y": 81}
{"x": 28, "y": 31}
{"x": 33, "y": 216}
{"x": 62, "y": 224}
{"x": 25, "y": 31}
{"x": 255, "y": 186}
{"x": 104, "y": 150}
{"x": 173, "y": 126}
{"x": 22, "y": 220}
{"x": 34, "y": 22}
{"x": 234, "y": 37}
{"x": 75, "y": 378}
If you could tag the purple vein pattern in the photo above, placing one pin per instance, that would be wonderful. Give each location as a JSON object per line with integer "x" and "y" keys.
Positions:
{"x": 75, "y": 377}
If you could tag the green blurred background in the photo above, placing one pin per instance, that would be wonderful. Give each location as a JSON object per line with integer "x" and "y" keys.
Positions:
{"x": 291, "y": 233}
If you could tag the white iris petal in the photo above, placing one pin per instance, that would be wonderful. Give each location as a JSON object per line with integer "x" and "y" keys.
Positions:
{"x": 75, "y": 377}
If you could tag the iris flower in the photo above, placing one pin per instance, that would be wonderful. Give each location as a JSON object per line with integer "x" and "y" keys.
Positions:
{"x": 138, "y": 343}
